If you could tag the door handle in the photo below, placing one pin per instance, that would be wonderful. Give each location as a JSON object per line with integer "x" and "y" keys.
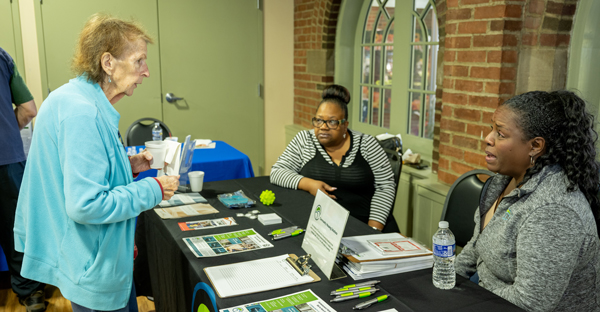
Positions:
{"x": 171, "y": 98}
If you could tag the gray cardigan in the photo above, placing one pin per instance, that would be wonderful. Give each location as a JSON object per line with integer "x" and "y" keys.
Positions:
{"x": 540, "y": 250}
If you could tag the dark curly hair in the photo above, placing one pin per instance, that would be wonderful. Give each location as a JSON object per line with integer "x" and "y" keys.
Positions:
{"x": 561, "y": 118}
{"x": 336, "y": 94}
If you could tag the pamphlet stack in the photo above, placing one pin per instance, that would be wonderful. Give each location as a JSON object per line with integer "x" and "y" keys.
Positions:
{"x": 375, "y": 255}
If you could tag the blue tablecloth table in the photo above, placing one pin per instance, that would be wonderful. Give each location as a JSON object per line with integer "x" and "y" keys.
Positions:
{"x": 223, "y": 162}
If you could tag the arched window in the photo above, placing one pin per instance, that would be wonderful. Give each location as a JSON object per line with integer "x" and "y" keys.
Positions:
{"x": 424, "y": 51}
{"x": 396, "y": 48}
{"x": 377, "y": 64}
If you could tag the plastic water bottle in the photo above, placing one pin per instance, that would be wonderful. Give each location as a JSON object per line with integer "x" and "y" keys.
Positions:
{"x": 444, "y": 275}
{"x": 156, "y": 132}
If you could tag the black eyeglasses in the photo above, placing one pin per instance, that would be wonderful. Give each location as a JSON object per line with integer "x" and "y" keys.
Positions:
{"x": 331, "y": 124}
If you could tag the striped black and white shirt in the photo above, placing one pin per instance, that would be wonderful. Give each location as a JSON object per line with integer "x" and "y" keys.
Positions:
{"x": 364, "y": 171}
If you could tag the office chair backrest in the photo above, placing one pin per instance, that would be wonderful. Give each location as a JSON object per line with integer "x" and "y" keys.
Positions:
{"x": 140, "y": 131}
{"x": 461, "y": 202}
{"x": 393, "y": 151}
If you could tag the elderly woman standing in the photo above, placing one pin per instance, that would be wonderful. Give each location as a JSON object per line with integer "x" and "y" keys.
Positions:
{"x": 77, "y": 206}
{"x": 535, "y": 241}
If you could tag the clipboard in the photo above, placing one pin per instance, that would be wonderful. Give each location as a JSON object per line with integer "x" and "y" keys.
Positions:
{"x": 311, "y": 274}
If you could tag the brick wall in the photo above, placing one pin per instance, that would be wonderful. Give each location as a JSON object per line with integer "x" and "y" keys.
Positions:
{"x": 314, "y": 41}
{"x": 492, "y": 50}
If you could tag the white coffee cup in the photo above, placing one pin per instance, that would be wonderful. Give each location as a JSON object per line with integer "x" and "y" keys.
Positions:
{"x": 196, "y": 180}
{"x": 158, "y": 149}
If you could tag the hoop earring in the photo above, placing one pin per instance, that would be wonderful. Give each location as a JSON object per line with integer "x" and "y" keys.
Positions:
{"x": 531, "y": 161}
{"x": 109, "y": 81}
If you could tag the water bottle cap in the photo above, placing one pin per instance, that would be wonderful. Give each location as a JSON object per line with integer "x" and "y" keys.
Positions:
{"x": 157, "y": 124}
{"x": 443, "y": 224}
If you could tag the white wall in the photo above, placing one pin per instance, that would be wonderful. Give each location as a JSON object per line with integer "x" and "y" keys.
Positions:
{"x": 279, "y": 76}
{"x": 30, "y": 50}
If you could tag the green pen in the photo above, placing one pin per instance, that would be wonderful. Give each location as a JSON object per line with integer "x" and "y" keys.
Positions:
{"x": 284, "y": 235}
{"x": 354, "y": 292}
{"x": 345, "y": 290}
{"x": 284, "y": 230}
{"x": 363, "y": 284}
{"x": 349, "y": 296}
{"x": 368, "y": 303}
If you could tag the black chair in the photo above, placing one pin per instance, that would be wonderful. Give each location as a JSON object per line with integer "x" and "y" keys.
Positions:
{"x": 140, "y": 131}
{"x": 393, "y": 150}
{"x": 461, "y": 202}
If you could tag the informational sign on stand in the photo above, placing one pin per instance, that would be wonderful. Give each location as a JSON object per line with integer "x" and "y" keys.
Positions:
{"x": 324, "y": 232}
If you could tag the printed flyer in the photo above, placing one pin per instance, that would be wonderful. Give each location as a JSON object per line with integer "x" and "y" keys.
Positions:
{"x": 206, "y": 224}
{"x": 183, "y": 199}
{"x": 226, "y": 243}
{"x": 304, "y": 301}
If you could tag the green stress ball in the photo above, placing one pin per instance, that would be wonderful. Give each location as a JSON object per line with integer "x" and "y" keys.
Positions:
{"x": 267, "y": 197}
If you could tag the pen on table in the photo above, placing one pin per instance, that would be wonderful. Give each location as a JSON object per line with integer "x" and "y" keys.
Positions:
{"x": 350, "y": 296}
{"x": 363, "y": 284}
{"x": 354, "y": 289}
{"x": 348, "y": 293}
{"x": 284, "y": 235}
{"x": 368, "y": 303}
{"x": 284, "y": 230}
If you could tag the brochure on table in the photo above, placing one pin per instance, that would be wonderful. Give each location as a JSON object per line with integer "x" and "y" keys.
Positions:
{"x": 362, "y": 247}
{"x": 305, "y": 300}
{"x": 324, "y": 232}
{"x": 206, "y": 224}
{"x": 185, "y": 211}
{"x": 226, "y": 243}
{"x": 183, "y": 199}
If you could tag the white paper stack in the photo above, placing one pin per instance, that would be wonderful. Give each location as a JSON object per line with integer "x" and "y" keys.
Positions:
{"x": 362, "y": 259}
{"x": 200, "y": 143}
{"x": 269, "y": 218}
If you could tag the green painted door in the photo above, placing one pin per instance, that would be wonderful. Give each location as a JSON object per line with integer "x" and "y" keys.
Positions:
{"x": 211, "y": 56}
{"x": 59, "y": 24}
{"x": 10, "y": 36}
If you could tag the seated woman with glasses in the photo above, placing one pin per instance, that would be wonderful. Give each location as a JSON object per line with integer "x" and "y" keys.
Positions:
{"x": 348, "y": 166}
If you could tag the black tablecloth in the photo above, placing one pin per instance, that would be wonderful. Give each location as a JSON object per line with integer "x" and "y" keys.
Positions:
{"x": 167, "y": 269}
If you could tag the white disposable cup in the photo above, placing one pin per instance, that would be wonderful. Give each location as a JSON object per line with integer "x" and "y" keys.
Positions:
{"x": 196, "y": 180}
{"x": 154, "y": 143}
{"x": 158, "y": 151}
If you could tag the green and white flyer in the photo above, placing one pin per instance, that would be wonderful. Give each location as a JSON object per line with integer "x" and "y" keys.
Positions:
{"x": 305, "y": 301}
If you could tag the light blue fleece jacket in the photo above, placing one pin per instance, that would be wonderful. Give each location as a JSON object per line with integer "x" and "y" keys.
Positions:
{"x": 76, "y": 211}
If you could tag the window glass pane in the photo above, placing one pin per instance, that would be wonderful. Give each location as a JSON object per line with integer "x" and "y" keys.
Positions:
{"x": 375, "y": 111}
{"x": 417, "y": 67}
{"x": 381, "y": 27}
{"x": 389, "y": 65}
{"x": 377, "y": 51}
{"x": 429, "y": 120}
{"x": 431, "y": 26}
{"x": 387, "y": 103}
{"x": 420, "y": 5}
{"x": 418, "y": 33}
{"x": 365, "y": 101}
{"x": 414, "y": 116}
{"x": 432, "y": 67}
{"x": 370, "y": 22}
{"x": 389, "y": 7}
{"x": 366, "y": 65}
{"x": 390, "y": 35}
